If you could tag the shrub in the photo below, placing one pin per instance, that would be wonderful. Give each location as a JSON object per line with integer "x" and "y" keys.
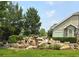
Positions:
{"x": 1, "y": 44}
{"x": 50, "y": 47}
{"x": 13, "y": 39}
{"x": 55, "y": 47}
{"x": 43, "y": 46}
{"x": 19, "y": 37}
{"x": 66, "y": 39}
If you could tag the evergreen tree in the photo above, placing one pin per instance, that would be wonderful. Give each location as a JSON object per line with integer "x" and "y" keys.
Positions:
{"x": 15, "y": 16}
{"x": 4, "y": 31}
{"x": 10, "y": 19}
{"x": 32, "y": 22}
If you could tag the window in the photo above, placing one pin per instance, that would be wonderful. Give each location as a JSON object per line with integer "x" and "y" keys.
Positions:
{"x": 70, "y": 31}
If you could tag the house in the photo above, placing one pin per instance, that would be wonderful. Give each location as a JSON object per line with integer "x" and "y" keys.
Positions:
{"x": 67, "y": 28}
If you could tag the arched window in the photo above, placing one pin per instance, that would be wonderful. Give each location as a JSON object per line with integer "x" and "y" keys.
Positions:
{"x": 70, "y": 31}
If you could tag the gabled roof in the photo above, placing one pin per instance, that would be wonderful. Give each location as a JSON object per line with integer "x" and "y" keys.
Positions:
{"x": 74, "y": 14}
{"x": 77, "y": 13}
{"x": 53, "y": 26}
{"x": 69, "y": 26}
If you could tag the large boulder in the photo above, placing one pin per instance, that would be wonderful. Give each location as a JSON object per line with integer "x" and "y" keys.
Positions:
{"x": 65, "y": 46}
{"x": 32, "y": 42}
{"x": 76, "y": 46}
{"x": 31, "y": 47}
{"x": 43, "y": 42}
{"x": 22, "y": 46}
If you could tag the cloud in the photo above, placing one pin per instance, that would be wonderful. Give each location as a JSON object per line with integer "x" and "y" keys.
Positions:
{"x": 50, "y": 2}
{"x": 50, "y": 13}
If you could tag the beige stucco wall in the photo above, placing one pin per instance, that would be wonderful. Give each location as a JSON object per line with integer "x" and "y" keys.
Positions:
{"x": 59, "y": 30}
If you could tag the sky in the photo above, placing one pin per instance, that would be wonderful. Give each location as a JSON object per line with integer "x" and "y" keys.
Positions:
{"x": 51, "y": 12}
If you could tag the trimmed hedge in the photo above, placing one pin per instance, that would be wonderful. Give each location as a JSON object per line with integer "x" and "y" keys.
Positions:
{"x": 66, "y": 39}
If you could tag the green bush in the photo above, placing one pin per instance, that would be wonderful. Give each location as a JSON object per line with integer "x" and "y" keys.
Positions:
{"x": 50, "y": 47}
{"x": 54, "y": 47}
{"x": 43, "y": 46}
{"x": 13, "y": 39}
{"x": 19, "y": 37}
{"x": 66, "y": 39}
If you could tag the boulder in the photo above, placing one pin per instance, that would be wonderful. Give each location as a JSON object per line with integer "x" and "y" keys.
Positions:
{"x": 53, "y": 42}
{"x": 40, "y": 39}
{"x": 65, "y": 46}
{"x": 41, "y": 43}
{"x": 6, "y": 45}
{"x": 21, "y": 46}
{"x": 23, "y": 41}
{"x": 32, "y": 42}
{"x": 31, "y": 47}
{"x": 76, "y": 46}
{"x": 66, "y": 42}
{"x": 11, "y": 48}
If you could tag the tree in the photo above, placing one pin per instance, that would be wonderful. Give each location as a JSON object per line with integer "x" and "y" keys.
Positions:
{"x": 3, "y": 20}
{"x": 42, "y": 32}
{"x": 16, "y": 18}
{"x": 3, "y": 7}
{"x": 32, "y": 22}
{"x": 10, "y": 19}
{"x": 49, "y": 33}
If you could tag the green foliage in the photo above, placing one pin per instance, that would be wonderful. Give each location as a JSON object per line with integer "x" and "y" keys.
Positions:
{"x": 12, "y": 20}
{"x": 32, "y": 22}
{"x": 49, "y": 34}
{"x": 66, "y": 39}
{"x": 54, "y": 47}
{"x": 15, "y": 18}
{"x": 20, "y": 37}
{"x": 43, "y": 46}
{"x": 3, "y": 6}
{"x": 13, "y": 39}
{"x": 42, "y": 32}
{"x": 4, "y": 33}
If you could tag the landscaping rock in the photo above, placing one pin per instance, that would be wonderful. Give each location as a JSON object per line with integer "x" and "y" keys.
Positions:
{"x": 6, "y": 45}
{"x": 31, "y": 47}
{"x": 72, "y": 46}
{"x": 21, "y": 46}
{"x": 65, "y": 46}
{"x": 66, "y": 42}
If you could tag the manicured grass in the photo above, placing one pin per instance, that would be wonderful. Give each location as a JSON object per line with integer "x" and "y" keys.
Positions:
{"x": 38, "y": 53}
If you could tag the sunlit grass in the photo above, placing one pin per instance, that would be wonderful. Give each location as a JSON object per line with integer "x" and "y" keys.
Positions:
{"x": 39, "y": 53}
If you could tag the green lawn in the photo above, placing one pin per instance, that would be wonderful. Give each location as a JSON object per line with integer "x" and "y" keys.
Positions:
{"x": 39, "y": 53}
